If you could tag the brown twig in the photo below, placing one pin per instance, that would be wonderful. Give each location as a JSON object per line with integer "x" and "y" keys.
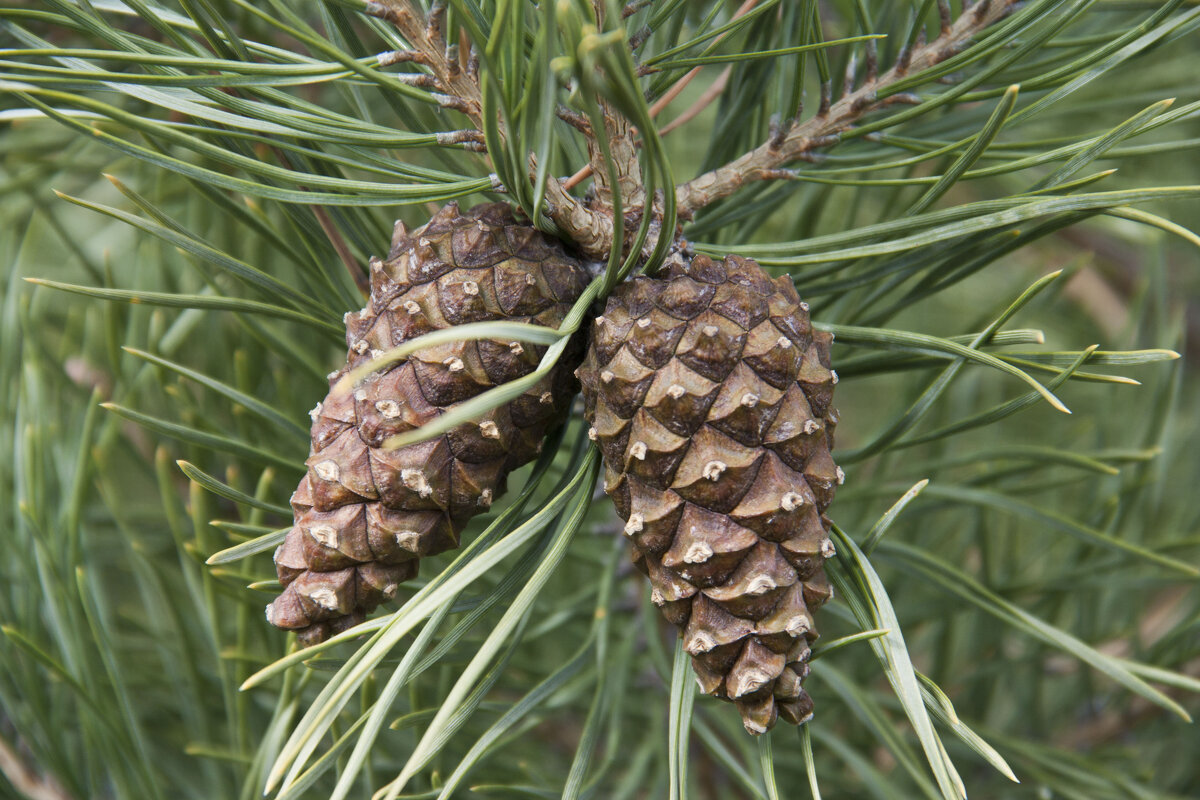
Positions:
{"x": 681, "y": 84}
{"x": 400, "y": 57}
{"x": 343, "y": 250}
{"x": 579, "y": 177}
{"x": 832, "y": 120}
{"x": 576, "y": 120}
{"x": 704, "y": 101}
{"x": 336, "y": 240}
{"x": 633, "y": 7}
{"x": 1168, "y": 610}
{"x": 25, "y": 779}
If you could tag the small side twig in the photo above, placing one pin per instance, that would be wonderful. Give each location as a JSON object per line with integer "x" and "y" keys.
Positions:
{"x": 25, "y": 779}
{"x": 338, "y": 242}
{"x": 702, "y": 102}
{"x": 633, "y": 7}
{"x": 343, "y": 250}
{"x": 400, "y": 57}
{"x": 576, "y": 120}
{"x": 944, "y": 16}
{"x": 639, "y": 37}
{"x": 435, "y": 23}
{"x": 471, "y": 139}
{"x": 848, "y": 79}
{"x": 420, "y": 80}
{"x": 871, "y": 73}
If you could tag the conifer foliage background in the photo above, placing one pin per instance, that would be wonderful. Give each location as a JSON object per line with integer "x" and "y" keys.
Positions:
{"x": 997, "y": 221}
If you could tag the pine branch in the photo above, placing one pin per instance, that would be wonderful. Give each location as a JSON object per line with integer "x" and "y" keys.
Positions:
{"x": 822, "y": 130}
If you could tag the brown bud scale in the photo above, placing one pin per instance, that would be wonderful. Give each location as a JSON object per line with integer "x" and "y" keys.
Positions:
{"x": 365, "y": 515}
{"x": 709, "y": 392}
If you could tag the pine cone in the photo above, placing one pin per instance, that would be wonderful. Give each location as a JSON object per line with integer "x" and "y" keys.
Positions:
{"x": 709, "y": 394}
{"x": 365, "y": 515}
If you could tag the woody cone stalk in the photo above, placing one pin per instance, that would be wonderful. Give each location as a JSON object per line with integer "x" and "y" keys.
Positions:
{"x": 364, "y": 514}
{"x": 708, "y": 392}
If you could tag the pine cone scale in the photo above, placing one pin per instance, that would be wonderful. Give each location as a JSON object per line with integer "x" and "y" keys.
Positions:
{"x": 365, "y": 515}
{"x": 708, "y": 393}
